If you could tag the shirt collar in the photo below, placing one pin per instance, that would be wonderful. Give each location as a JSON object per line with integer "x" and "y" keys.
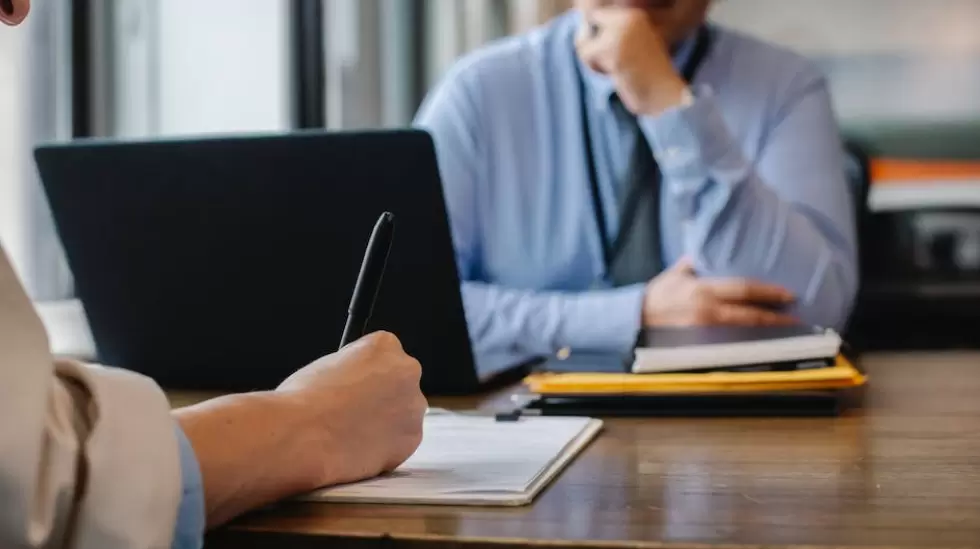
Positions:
{"x": 601, "y": 87}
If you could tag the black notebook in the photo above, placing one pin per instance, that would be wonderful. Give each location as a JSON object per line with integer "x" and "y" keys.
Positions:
{"x": 705, "y": 348}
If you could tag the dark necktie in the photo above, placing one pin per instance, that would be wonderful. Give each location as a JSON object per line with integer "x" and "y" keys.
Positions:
{"x": 636, "y": 255}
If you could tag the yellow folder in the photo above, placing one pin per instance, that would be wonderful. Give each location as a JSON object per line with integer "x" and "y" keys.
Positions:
{"x": 839, "y": 376}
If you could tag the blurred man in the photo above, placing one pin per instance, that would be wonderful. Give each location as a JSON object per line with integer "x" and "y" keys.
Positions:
{"x": 628, "y": 165}
{"x": 91, "y": 457}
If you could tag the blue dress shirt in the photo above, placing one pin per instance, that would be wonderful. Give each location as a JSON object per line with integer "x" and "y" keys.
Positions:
{"x": 191, "y": 522}
{"x": 754, "y": 186}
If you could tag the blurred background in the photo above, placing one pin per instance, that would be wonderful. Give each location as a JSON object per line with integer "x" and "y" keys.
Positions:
{"x": 905, "y": 76}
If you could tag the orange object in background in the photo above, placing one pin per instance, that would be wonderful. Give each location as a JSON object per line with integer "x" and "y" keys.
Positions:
{"x": 899, "y": 184}
{"x": 897, "y": 171}
{"x": 842, "y": 375}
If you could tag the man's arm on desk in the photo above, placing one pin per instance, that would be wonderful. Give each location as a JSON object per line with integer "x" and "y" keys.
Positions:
{"x": 785, "y": 219}
{"x": 543, "y": 322}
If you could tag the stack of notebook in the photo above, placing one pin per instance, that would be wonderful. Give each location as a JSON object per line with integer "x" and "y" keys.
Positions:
{"x": 704, "y": 369}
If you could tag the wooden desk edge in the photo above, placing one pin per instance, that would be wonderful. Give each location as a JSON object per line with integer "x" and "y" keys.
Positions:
{"x": 416, "y": 541}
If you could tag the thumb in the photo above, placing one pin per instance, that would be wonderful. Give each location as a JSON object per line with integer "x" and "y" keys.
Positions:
{"x": 685, "y": 266}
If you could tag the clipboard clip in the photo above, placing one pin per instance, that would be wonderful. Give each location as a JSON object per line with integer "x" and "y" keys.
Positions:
{"x": 515, "y": 415}
{"x": 510, "y": 416}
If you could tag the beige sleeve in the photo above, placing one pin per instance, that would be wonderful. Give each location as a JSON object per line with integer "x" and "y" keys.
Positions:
{"x": 88, "y": 455}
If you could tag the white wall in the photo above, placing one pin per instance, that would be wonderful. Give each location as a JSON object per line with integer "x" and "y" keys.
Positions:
{"x": 225, "y": 68}
{"x": 910, "y": 60}
{"x": 191, "y": 67}
{"x": 855, "y": 27}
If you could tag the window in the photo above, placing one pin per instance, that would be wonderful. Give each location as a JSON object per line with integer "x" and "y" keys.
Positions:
{"x": 35, "y": 106}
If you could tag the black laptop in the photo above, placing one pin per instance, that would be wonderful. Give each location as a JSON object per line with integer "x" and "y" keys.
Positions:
{"x": 226, "y": 263}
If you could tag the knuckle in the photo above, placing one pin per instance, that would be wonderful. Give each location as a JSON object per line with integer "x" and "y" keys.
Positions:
{"x": 413, "y": 368}
{"x": 704, "y": 312}
{"x": 383, "y": 341}
{"x": 414, "y": 442}
{"x": 702, "y": 294}
{"x": 405, "y": 371}
{"x": 775, "y": 319}
{"x": 387, "y": 339}
{"x": 716, "y": 316}
{"x": 413, "y": 431}
{"x": 421, "y": 405}
{"x": 765, "y": 317}
{"x": 372, "y": 340}
{"x": 742, "y": 289}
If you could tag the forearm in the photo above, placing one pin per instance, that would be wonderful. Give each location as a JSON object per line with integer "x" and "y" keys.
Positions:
{"x": 542, "y": 322}
{"x": 801, "y": 237}
{"x": 253, "y": 449}
{"x": 751, "y": 233}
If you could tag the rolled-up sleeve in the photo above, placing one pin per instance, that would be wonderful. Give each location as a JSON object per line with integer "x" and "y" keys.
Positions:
{"x": 191, "y": 521}
{"x": 88, "y": 455}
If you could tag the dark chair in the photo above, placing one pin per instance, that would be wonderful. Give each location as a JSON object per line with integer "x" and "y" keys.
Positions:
{"x": 859, "y": 177}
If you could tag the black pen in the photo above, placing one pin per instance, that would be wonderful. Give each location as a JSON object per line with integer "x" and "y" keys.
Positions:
{"x": 369, "y": 280}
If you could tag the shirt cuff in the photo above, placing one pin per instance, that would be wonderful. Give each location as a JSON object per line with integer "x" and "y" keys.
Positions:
{"x": 606, "y": 320}
{"x": 191, "y": 520}
{"x": 692, "y": 142}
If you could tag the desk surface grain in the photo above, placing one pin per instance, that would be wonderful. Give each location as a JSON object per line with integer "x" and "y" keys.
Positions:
{"x": 903, "y": 472}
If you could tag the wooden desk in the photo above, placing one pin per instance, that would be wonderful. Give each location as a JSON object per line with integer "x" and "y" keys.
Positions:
{"x": 904, "y": 472}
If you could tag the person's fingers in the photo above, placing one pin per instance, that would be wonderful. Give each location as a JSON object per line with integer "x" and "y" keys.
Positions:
{"x": 748, "y": 291}
{"x": 592, "y": 56}
{"x": 684, "y": 265}
{"x": 745, "y": 315}
{"x": 412, "y": 368}
{"x": 612, "y": 15}
{"x": 606, "y": 25}
{"x": 384, "y": 341}
{"x": 587, "y": 30}
{"x": 592, "y": 52}
{"x": 585, "y": 45}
